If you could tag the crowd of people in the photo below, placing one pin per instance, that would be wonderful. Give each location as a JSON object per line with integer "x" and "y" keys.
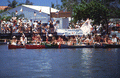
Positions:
{"x": 68, "y": 40}
{"x": 36, "y": 27}
{"x": 21, "y": 25}
{"x": 21, "y": 41}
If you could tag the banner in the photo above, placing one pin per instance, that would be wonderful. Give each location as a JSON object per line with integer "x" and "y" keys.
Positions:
{"x": 68, "y": 32}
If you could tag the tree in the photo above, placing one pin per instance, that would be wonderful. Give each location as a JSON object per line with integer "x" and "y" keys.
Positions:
{"x": 52, "y": 5}
{"x": 28, "y": 2}
{"x": 12, "y": 4}
{"x": 93, "y": 10}
{"x": 57, "y": 6}
{"x": 68, "y": 4}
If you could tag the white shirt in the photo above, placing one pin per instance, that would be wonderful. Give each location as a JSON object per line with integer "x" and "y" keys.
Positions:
{"x": 114, "y": 40}
{"x": 35, "y": 25}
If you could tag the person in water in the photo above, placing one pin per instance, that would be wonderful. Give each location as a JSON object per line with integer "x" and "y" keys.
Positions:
{"x": 14, "y": 41}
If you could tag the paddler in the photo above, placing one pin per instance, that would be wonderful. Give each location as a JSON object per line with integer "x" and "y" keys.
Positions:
{"x": 38, "y": 40}
{"x": 23, "y": 39}
{"x": 14, "y": 41}
{"x": 114, "y": 39}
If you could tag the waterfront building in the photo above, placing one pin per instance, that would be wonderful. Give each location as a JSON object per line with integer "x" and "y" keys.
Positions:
{"x": 43, "y": 13}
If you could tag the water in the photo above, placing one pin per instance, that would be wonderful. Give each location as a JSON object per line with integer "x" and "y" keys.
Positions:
{"x": 59, "y": 63}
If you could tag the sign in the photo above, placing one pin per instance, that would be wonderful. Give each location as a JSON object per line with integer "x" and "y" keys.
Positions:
{"x": 68, "y": 32}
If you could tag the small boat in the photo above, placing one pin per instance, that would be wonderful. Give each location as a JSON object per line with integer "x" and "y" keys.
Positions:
{"x": 106, "y": 46}
{"x": 30, "y": 46}
{"x": 51, "y": 46}
{"x": 15, "y": 46}
{"x": 75, "y": 46}
{"x": 113, "y": 46}
{"x": 2, "y": 43}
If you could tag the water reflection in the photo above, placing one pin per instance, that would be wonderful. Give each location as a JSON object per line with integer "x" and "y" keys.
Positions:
{"x": 43, "y": 64}
{"x": 86, "y": 61}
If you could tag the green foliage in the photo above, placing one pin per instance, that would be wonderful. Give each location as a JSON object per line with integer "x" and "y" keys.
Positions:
{"x": 1, "y": 11}
{"x": 6, "y": 18}
{"x": 28, "y": 2}
{"x": 52, "y": 5}
{"x": 20, "y": 16}
{"x": 69, "y": 4}
{"x": 56, "y": 6}
{"x": 13, "y": 14}
{"x": 93, "y": 10}
{"x": 12, "y": 4}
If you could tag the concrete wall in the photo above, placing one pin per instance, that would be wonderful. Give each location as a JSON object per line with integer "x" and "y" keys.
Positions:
{"x": 63, "y": 22}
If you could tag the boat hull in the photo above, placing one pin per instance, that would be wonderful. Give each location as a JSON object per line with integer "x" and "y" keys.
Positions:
{"x": 77, "y": 46}
{"x": 51, "y": 46}
{"x": 15, "y": 46}
{"x": 34, "y": 46}
{"x": 106, "y": 46}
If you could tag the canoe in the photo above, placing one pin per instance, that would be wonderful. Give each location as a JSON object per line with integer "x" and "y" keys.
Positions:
{"x": 75, "y": 46}
{"x": 15, "y": 46}
{"x": 106, "y": 46}
{"x": 2, "y": 43}
{"x": 51, "y": 46}
{"x": 30, "y": 46}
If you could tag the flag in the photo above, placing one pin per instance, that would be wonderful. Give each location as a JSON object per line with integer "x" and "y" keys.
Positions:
{"x": 21, "y": 10}
{"x": 16, "y": 12}
{"x": 34, "y": 13}
{"x": 40, "y": 11}
{"x": 86, "y": 27}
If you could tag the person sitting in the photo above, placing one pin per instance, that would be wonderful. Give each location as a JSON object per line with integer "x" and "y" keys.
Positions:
{"x": 70, "y": 42}
{"x": 87, "y": 40}
{"x": 14, "y": 41}
{"x": 23, "y": 40}
{"x": 109, "y": 41}
{"x": 59, "y": 40}
{"x": 54, "y": 41}
{"x": 34, "y": 37}
{"x": 47, "y": 40}
{"x": 114, "y": 39}
{"x": 38, "y": 40}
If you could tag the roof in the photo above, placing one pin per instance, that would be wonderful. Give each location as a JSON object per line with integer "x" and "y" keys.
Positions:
{"x": 44, "y": 9}
{"x": 3, "y": 7}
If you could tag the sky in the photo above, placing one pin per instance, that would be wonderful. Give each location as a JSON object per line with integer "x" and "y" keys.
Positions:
{"x": 35, "y": 2}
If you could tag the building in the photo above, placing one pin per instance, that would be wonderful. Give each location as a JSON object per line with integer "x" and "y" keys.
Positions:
{"x": 42, "y": 13}
{"x": 3, "y": 7}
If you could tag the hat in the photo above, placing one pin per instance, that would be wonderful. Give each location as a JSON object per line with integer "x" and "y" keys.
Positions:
{"x": 14, "y": 36}
{"x": 50, "y": 35}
